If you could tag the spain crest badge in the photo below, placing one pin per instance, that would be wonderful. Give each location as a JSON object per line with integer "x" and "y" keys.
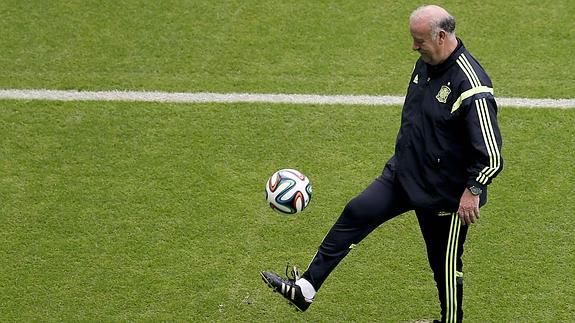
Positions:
{"x": 443, "y": 94}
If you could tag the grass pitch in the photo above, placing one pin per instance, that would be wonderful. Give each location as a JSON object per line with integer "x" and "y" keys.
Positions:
{"x": 156, "y": 212}
{"x": 272, "y": 46}
{"x": 121, "y": 211}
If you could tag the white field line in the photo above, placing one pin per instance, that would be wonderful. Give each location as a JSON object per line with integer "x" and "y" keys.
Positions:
{"x": 205, "y": 97}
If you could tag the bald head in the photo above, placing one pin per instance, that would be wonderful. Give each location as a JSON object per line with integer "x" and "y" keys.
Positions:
{"x": 433, "y": 32}
{"x": 436, "y": 18}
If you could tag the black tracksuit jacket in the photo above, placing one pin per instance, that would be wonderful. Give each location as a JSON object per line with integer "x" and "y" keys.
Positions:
{"x": 449, "y": 137}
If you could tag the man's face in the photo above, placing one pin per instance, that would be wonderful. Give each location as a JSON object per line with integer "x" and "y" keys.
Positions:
{"x": 429, "y": 49}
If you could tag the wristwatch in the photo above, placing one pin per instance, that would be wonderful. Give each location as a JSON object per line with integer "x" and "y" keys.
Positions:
{"x": 475, "y": 190}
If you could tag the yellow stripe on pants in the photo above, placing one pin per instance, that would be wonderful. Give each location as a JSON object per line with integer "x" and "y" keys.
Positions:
{"x": 451, "y": 270}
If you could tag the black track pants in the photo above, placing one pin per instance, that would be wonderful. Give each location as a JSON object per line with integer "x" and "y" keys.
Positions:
{"x": 444, "y": 237}
{"x": 383, "y": 200}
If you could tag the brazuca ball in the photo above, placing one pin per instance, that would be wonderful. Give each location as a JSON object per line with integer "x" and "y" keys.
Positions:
{"x": 288, "y": 191}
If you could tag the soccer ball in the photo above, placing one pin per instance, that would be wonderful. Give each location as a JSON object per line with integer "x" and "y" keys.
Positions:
{"x": 288, "y": 191}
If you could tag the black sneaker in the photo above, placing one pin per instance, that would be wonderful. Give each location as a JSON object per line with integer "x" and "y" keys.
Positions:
{"x": 287, "y": 288}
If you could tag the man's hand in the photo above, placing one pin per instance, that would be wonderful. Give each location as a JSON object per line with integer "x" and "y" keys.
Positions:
{"x": 468, "y": 207}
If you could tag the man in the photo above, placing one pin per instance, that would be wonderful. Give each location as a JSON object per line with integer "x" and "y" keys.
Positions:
{"x": 447, "y": 151}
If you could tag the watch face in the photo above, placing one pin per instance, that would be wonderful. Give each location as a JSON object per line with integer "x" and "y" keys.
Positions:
{"x": 475, "y": 190}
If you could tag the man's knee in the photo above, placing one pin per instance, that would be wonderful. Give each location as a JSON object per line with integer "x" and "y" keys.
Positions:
{"x": 358, "y": 210}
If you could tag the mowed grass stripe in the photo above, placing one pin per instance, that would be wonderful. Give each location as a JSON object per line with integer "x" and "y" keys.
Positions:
{"x": 206, "y": 97}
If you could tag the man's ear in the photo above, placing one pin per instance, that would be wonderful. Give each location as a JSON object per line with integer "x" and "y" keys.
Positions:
{"x": 441, "y": 36}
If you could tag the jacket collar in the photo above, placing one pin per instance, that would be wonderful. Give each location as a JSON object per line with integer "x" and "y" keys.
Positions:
{"x": 440, "y": 68}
